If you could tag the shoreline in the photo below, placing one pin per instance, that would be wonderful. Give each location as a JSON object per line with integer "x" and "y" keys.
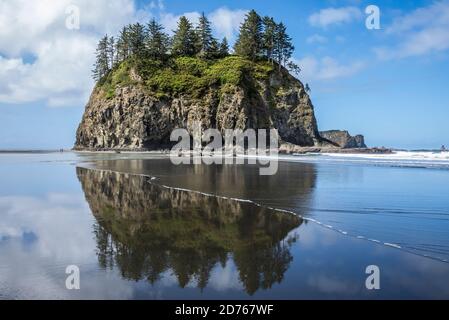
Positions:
{"x": 283, "y": 149}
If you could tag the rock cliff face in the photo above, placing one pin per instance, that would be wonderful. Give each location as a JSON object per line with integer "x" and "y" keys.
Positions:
{"x": 343, "y": 139}
{"x": 142, "y": 111}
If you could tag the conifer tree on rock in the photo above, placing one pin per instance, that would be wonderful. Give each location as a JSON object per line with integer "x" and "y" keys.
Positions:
{"x": 122, "y": 45}
{"x": 111, "y": 52}
{"x": 249, "y": 42}
{"x": 283, "y": 48}
{"x": 269, "y": 37}
{"x": 137, "y": 39}
{"x": 102, "y": 64}
{"x": 205, "y": 40}
{"x": 157, "y": 42}
{"x": 224, "y": 48}
{"x": 184, "y": 39}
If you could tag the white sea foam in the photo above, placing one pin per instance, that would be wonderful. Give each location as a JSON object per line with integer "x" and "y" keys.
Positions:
{"x": 398, "y": 155}
{"x": 393, "y": 245}
{"x": 426, "y": 159}
{"x": 421, "y": 159}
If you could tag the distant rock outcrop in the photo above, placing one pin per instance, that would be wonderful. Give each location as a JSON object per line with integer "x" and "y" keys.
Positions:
{"x": 343, "y": 139}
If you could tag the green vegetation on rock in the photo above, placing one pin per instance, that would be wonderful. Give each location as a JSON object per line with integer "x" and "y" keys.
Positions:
{"x": 119, "y": 77}
{"x": 192, "y": 59}
{"x": 185, "y": 75}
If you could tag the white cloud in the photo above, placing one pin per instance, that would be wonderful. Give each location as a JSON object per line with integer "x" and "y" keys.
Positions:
{"x": 170, "y": 21}
{"x": 61, "y": 59}
{"x": 157, "y": 5}
{"x": 42, "y": 60}
{"x": 316, "y": 38}
{"x": 423, "y": 31}
{"x": 26, "y": 26}
{"x": 50, "y": 220}
{"x": 327, "y": 68}
{"x": 58, "y": 75}
{"x": 433, "y": 15}
{"x": 330, "y": 16}
{"x": 226, "y": 22}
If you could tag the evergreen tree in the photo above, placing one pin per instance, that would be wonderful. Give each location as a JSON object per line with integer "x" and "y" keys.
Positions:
{"x": 249, "y": 42}
{"x": 101, "y": 66}
{"x": 268, "y": 39}
{"x": 111, "y": 52}
{"x": 307, "y": 88}
{"x": 214, "y": 49}
{"x": 257, "y": 38}
{"x": 123, "y": 45}
{"x": 293, "y": 67}
{"x": 184, "y": 39}
{"x": 288, "y": 47}
{"x": 283, "y": 48}
{"x": 157, "y": 42}
{"x": 137, "y": 39}
{"x": 224, "y": 48}
{"x": 204, "y": 37}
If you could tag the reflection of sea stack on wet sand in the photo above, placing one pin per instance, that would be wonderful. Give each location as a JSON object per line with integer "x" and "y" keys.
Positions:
{"x": 146, "y": 229}
{"x": 232, "y": 181}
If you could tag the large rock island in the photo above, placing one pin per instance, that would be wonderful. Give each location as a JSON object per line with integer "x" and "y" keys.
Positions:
{"x": 139, "y": 103}
{"x": 149, "y": 83}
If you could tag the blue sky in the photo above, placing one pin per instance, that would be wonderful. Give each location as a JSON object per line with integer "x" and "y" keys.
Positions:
{"x": 387, "y": 84}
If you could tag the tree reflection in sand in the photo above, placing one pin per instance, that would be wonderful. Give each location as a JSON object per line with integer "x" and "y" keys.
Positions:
{"x": 146, "y": 230}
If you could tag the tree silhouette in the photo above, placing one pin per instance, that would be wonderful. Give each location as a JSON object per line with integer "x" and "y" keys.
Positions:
{"x": 307, "y": 88}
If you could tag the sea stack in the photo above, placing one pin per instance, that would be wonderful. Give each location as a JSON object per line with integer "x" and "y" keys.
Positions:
{"x": 343, "y": 139}
{"x": 137, "y": 105}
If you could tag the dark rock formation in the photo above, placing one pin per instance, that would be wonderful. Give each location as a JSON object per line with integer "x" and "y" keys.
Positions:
{"x": 135, "y": 115}
{"x": 343, "y": 139}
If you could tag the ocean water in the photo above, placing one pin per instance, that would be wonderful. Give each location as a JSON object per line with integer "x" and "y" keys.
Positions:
{"x": 139, "y": 227}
